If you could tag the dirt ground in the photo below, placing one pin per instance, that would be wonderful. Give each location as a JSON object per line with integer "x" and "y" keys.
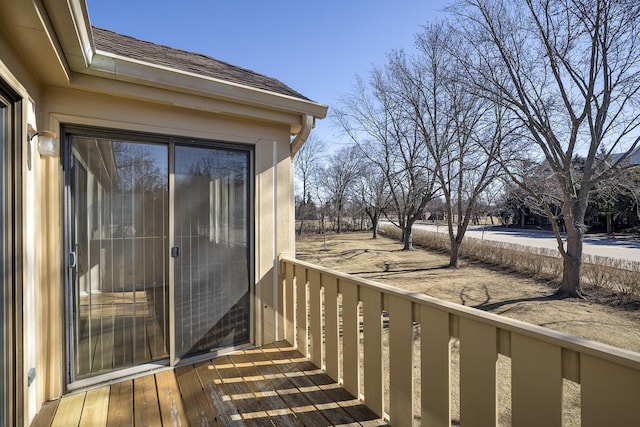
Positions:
{"x": 601, "y": 317}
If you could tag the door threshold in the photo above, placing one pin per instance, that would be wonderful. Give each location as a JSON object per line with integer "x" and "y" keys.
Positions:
{"x": 117, "y": 376}
{"x": 189, "y": 360}
{"x": 147, "y": 369}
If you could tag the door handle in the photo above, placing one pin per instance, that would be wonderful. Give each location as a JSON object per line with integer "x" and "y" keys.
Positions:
{"x": 175, "y": 252}
{"x": 73, "y": 260}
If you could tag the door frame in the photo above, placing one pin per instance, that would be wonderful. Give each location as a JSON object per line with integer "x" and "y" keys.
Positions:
{"x": 12, "y": 383}
{"x": 69, "y": 130}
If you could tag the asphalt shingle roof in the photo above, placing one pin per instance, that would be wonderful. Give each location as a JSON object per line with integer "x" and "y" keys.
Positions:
{"x": 182, "y": 60}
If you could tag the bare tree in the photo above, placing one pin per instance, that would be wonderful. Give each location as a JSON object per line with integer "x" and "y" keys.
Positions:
{"x": 372, "y": 194}
{"x": 461, "y": 133}
{"x": 307, "y": 159}
{"x": 373, "y": 118}
{"x": 569, "y": 73}
{"x": 341, "y": 173}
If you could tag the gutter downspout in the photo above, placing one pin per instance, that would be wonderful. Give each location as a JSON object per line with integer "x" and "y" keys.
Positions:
{"x": 301, "y": 137}
{"x": 297, "y": 143}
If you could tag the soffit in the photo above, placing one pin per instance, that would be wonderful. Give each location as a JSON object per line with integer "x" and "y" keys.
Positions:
{"x": 27, "y": 27}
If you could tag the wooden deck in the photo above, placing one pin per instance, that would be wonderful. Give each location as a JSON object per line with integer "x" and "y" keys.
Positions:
{"x": 272, "y": 385}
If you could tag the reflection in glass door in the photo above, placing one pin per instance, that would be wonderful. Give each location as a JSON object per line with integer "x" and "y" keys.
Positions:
{"x": 118, "y": 226}
{"x": 211, "y": 253}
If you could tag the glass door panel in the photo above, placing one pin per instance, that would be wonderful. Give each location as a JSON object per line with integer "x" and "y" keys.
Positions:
{"x": 211, "y": 256}
{"x": 118, "y": 224}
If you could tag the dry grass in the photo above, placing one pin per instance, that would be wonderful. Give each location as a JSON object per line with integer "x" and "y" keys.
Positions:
{"x": 621, "y": 277}
{"x": 498, "y": 290}
{"x": 476, "y": 285}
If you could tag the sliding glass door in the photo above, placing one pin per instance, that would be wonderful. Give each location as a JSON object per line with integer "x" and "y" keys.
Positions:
{"x": 149, "y": 220}
{"x": 119, "y": 293}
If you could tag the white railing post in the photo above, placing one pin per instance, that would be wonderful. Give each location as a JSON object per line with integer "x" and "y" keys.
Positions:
{"x": 331, "y": 353}
{"x": 536, "y": 382}
{"x": 373, "y": 370}
{"x": 400, "y": 361}
{"x": 289, "y": 301}
{"x": 350, "y": 338}
{"x": 315, "y": 311}
{"x": 610, "y": 393}
{"x": 302, "y": 338}
{"x": 478, "y": 358}
{"x": 435, "y": 384}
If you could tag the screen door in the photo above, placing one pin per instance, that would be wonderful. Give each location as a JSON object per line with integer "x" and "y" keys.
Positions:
{"x": 211, "y": 249}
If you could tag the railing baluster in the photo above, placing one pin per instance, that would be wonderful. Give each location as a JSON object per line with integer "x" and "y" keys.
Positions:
{"x": 350, "y": 341}
{"x": 478, "y": 358}
{"x": 302, "y": 339}
{"x": 536, "y": 378}
{"x": 435, "y": 367}
{"x": 315, "y": 310}
{"x": 289, "y": 318}
{"x": 372, "y": 326}
{"x": 330, "y": 285}
{"x": 610, "y": 393}
{"x": 400, "y": 361}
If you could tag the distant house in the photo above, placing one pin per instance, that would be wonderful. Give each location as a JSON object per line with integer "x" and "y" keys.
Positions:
{"x": 149, "y": 234}
{"x": 633, "y": 159}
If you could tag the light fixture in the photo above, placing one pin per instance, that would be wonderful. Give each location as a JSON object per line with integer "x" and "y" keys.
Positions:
{"x": 47, "y": 143}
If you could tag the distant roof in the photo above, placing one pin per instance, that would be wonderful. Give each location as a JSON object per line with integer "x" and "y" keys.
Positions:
{"x": 196, "y": 63}
{"x": 633, "y": 159}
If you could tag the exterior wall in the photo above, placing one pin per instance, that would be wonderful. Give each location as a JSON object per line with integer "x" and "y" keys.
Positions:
{"x": 274, "y": 222}
{"x": 43, "y": 234}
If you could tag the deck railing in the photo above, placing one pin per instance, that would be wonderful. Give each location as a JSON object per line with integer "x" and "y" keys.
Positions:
{"x": 350, "y": 326}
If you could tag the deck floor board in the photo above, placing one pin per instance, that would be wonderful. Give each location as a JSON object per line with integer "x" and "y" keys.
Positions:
{"x": 121, "y": 404}
{"x": 274, "y": 385}
{"x": 96, "y": 405}
{"x": 171, "y": 405}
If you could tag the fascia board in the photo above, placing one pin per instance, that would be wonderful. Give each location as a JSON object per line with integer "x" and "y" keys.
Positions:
{"x": 183, "y": 99}
{"x": 117, "y": 67}
{"x": 68, "y": 24}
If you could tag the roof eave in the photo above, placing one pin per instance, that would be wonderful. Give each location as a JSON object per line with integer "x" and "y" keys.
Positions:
{"x": 75, "y": 47}
{"x": 109, "y": 65}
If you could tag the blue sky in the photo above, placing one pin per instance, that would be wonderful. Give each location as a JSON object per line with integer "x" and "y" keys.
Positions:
{"x": 316, "y": 48}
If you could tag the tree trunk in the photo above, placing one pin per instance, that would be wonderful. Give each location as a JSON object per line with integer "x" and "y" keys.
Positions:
{"x": 407, "y": 239}
{"x": 454, "y": 254}
{"x": 374, "y": 222}
{"x": 301, "y": 223}
{"x": 407, "y": 234}
{"x": 572, "y": 261}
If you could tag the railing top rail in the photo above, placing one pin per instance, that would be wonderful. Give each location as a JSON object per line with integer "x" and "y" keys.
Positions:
{"x": 566, "y": 341}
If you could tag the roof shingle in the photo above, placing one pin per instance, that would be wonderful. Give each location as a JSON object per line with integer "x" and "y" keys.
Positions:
{"x": 203, "y": 65}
